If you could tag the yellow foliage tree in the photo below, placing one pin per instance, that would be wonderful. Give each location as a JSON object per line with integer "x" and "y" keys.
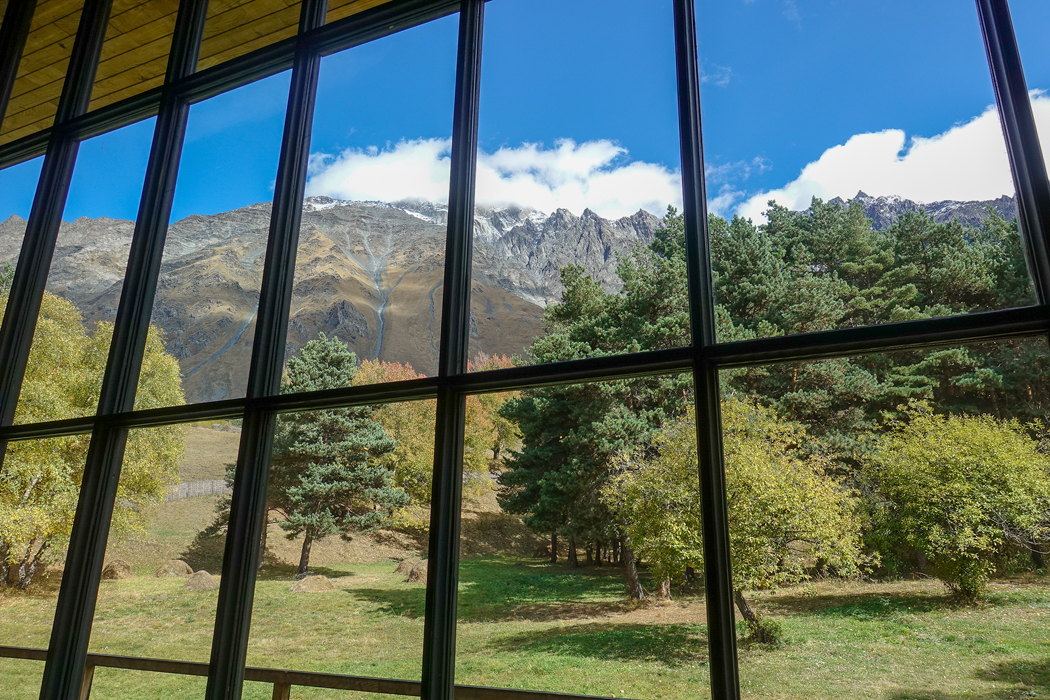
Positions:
{"x": 411, "y": 425}
{"x": 40, "y": 481}
{"x": 785, "y": 514}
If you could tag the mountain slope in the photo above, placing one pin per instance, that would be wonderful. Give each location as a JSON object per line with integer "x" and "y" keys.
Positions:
{"x": 369, "y": 273}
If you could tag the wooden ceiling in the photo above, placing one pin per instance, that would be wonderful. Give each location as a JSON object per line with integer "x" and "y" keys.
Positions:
{"x": 134, "y": 56}
{"x": 34, "y": 99}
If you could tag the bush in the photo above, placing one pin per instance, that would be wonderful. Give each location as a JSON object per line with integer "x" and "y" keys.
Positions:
{"x": 961, "y": 489}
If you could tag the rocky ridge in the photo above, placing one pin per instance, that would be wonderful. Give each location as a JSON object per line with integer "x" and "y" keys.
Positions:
{"x": 369, "y": 273}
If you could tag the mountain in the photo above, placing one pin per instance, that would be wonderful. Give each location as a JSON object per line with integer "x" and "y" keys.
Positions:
{"x": 369, "y": 273}
{"x": 883, "y": 211}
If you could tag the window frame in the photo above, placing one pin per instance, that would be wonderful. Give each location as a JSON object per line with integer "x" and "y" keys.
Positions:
{"x": 704, "y": 357}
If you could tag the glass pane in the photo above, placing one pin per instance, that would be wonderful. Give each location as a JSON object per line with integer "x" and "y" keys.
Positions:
{"x": 1030, "y": 17}
{"x": 370, "y": 265}
{"x": 39, "y": 488}
{"x": 21, "y": 679}
{"x": 575, "y": 178}
{"x": 160, "y": 583}
{"x": 17, "y": 189}
{"x": 75, "y": 325}
{"x": 119, "y": 683}
{"x": 887, "y": 512}
{"x": 883, "y": 153}
{"x": 135, "y": 54}
{"x": 259, "y": 690}
{"x": 338, "y": 9}
{"x": 236, "y": 27}
{"x": 343, "y": 583}
{"x": 208, "y": 290}
{"x": 549, "y": 581}
{"x": 42, "y": 70}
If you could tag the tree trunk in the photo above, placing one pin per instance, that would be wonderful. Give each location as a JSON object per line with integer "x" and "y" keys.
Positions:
{"x": 590, "y": 555}
{"x": 745, "y": 610}
{"x": 1037, "y": 558}
{"x": 554, "y": 548}
{"x": 304, "y": 558}
{"x": 262, "y": 548}
{"x": 663, "y": 591}
{"x": 573, "y": 561}
{"x": 634, "y": 584}
{"x": 28, "y": 570}
{"x": 760, "y": 633}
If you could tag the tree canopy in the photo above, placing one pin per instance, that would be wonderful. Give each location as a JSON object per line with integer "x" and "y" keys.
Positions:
{"x": 959, "y": 488}
{"x": 327, "y": 474}
{"x": 40, "y": 480}
{"x": 825, "y": 268}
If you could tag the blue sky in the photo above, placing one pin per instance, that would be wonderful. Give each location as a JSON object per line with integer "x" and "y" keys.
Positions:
{"x": 578, "y": 109}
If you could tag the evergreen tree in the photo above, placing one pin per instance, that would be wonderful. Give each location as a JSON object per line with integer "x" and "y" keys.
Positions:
{"x": 327, "y": 474}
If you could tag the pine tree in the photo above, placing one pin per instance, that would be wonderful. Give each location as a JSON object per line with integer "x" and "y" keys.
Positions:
{"x": 327, "y": 474}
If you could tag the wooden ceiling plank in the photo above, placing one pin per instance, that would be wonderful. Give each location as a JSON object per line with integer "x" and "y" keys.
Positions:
{"x": 222, "y": 22}
{"x": 117, "y": 95}
{"x": 146, "y": 76}
{"x": 337, "y": 10}
{"x": 129, "y": 19}
{"x": 249, "y": 36}
{"x": 48, "y": 11}
{"x": 28, "y": 84}
{"x": 120, "y": 46}
{"x": 31, "y": 121}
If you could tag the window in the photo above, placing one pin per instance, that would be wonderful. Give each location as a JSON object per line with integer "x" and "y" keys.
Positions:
{"x": 72, "y": 83}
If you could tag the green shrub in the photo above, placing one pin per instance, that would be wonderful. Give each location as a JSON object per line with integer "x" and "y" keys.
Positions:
{"x": 960, "y": 489}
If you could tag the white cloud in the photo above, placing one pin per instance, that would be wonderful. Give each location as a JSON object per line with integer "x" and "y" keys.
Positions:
{"x": 594, "y": 174}
{"x": 967, "y": 162}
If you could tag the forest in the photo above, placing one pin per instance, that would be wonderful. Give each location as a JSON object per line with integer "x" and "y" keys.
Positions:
{"x": 887, "y": 464}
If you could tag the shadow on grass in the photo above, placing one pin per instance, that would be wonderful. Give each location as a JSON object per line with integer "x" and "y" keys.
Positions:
{"x": 280, "y": 571}
{"x": 495, "y": 590}
{"x": 1030, "y": 678}
{"x": 1034, "y": 674}
{"x": 861, "y": 606}
{"x": 402, "y": 602}
{"x": 672, "y": 645}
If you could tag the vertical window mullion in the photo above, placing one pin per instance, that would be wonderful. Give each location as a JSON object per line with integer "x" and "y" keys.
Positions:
{"x": 439, "y": 630}
{"x": 248, "y": 502}
{"x": 71, "y": 631}
{"x": 718, "y": 578}
{"x": 1022, "y": 139}
{"x": 13, "y": 34}
{"x": 38, "y": 246}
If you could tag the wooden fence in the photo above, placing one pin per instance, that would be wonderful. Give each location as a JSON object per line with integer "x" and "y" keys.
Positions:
{"x": 283, "y": 681}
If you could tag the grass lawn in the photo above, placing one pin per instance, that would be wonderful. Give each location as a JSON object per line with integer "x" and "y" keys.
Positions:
{"x": 527, "y": 624}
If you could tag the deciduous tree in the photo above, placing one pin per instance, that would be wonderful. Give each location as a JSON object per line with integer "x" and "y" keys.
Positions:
{"x": 958, "y": 488}
{"x": 40, "y": 480}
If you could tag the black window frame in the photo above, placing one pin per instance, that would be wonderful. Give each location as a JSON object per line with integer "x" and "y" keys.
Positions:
{"x": 183, "y": 86}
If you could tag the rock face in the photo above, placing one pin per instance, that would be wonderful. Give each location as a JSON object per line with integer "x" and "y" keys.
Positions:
{"x": 201, "y": 581}
{"x": 116, "y": 570}
{"x": 312, "y": 584}
{"x": 173, "y": 568}
{"x": 368, "y": 273}
{"x": 883, "y": 211}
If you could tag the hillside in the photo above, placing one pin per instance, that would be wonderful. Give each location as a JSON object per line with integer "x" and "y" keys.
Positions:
{"x": 369, "y": 273}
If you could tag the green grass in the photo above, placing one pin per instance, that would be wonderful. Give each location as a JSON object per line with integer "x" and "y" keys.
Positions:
{"x": 527, "y": 624}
